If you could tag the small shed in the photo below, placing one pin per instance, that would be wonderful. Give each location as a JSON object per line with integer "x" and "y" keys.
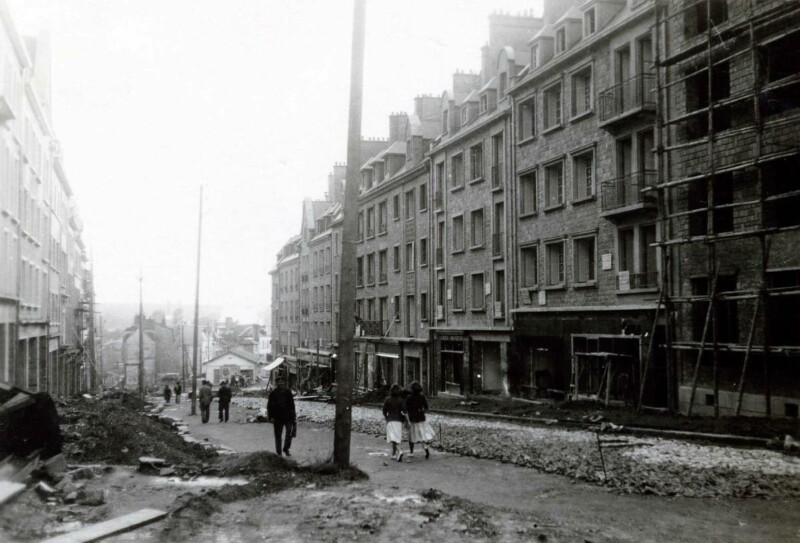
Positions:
{"x": 236, "y": 362}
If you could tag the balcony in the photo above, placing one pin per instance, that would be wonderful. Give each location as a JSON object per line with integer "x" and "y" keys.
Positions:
{"x": 438, "y": 200}
{"x": 497, "y": 175}
{"x": 497, "y": 244}
{"x": 373, "y": 328}
{"x": 636, "y": 281}
{"x": 631, "y": 97}
{"x": 623, "y": 195}
{"x": 439, "y": 256}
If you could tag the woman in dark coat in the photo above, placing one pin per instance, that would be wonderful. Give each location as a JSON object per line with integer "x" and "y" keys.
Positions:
{"x": 420, "y": 430}
{"x": 395, "y": 416}
{"x": 167, "y": 393}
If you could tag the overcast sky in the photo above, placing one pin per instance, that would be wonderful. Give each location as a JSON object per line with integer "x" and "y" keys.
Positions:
{"x": 151, "y": 98}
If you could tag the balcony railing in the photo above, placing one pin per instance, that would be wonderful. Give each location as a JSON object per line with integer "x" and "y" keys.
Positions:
{"x": 633, "y": 281}
{"x": 626, "y": 191}
{"x": 373, "y": 328}
{"x": 438, "y": 199}
{"x": 630, "y": 95}
{"x": 497, "y": 175}
{"x": 439, "y": 256}
{"x": 497, "y": 244}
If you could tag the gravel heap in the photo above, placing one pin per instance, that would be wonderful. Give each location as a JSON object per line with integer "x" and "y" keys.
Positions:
{"x": 634, "y": 465}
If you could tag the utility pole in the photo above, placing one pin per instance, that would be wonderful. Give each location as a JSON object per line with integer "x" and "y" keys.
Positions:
{"x": 197, "y": 306}
{"x": 344, "y": 381}
{"x": 142, "y": 389}
{"x": 183, "y": 355}
{"x": 98, "y": 376}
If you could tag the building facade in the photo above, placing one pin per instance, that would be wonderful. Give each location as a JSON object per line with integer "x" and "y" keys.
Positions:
{"x": 44, "y": 299}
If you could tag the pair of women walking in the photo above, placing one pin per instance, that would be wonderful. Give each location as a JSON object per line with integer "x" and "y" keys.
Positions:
{"x": 410, "y": 410}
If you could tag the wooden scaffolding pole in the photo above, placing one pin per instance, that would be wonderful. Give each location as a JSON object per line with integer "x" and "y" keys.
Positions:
{"x": 701, "y": 351}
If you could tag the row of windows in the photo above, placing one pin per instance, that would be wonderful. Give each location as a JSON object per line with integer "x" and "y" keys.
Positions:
{"x": 365, "y": 265}
{"x": 472, "y": 171}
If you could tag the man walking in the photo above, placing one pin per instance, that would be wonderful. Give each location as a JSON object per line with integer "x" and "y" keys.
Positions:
{"x": 178, "y": 390}
{"x": 224, "y": 399}
{"x": 205, "y": 396}
{"x": 281, "y": 413}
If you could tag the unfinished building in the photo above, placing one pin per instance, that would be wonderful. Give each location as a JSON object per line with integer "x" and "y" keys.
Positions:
{"x": 728, "y": 102}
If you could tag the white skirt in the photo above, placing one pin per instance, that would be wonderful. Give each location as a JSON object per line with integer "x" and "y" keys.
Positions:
{"x": 394, "y": 432}
{"x": 421, "y": 432}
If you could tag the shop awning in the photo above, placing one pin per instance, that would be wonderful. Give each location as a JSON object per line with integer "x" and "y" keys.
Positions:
{"x": 388, "y": 355}
{"x": 275, "y": 363}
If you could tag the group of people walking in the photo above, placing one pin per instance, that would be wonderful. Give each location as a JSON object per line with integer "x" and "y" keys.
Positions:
{"x": 177, "y": 389}
{"x": 206, "y": 396}
{"x": 407, "y": 410}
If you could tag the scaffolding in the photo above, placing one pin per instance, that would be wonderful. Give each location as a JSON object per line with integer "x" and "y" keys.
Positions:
{"x": 721, "y": 144}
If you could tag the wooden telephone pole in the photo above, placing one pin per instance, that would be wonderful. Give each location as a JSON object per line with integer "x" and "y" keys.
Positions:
{"x": 197, "y": 307}
{"x": 344, "y": 378}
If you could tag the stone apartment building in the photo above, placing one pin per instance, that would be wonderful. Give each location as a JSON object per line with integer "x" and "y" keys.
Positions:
{"x": 43, "y": 278}
{"x": 472, "y": 203}
{"x": 586, "y": 273}
{"x": 394, "y": 254}
{"x": 729, "y": 95}
{"x": 535, "y": 231}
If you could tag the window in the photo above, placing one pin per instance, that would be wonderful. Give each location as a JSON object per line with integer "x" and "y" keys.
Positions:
{"x": 778, "y": 179}
{"x": 589, "y": 23}
{"x": 476, "y": 162}
{"x": 477, "y": 293}
{"x": 582, "y": 92}
{"x": 383, "y": 265}
{"x": 423, "y": 251}
{"x": 698, "y": 202}
{"x": 464, "y": 115}
{"x": 360, "y": 271}
{"x": 439, "y": 185}
{"x": 584, "y": 266}
{"x": 396, "y": 207}
{"x": 396, "y": 258}
{"x": 696, "y": 21}
{"x": 477, "y": 228}
{"x": 360, "y": 225}
{"x": 555, "y": 264}
{"x": 444, "y": 121}
{"x": 535, "y": 56}
{"x": 441, "y": 299}
{"x": 626, "y": 255}
{"x": 554, "y": 188}
{"x": 583, "y": 175}
{"x": 503, "y": 83}
{"x": 552, "y": 106}
{"x": 499, "y": 293}
{"x": 410, "y": 204}
{"x": 410, "y": 256}
{"x": 527, "y": 193}
{"x": 498, "y": 152}
{"x": 526, "y": 123}
{"x": 458, "y": 293}
{"x": 457, "y": 171}
{"x": 458, "y": 233}
{"x": 382, "y": 217}
{"x": 423, "y": 197}
{"x": 530, "y": 266}
{"x": 379, "y": 172}
{"x": 484, "y": 103}
{"x": 370, "y": 222}
{"x": 371, "y": 269}
{"x": 561, "y": 40}
{"x": 396, "y": 309}
{"x": 423, "y": 306}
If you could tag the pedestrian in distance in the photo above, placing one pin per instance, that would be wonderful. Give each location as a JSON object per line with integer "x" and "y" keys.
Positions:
{"x": 281, "y": 413}
{"x": 224, "y": 399}
{"x": 420, "y": 430}
{"x": 395, "y": 416}
{"x": 206, "y": 397}
{"x": 167, "y": 393}
{"x": 178, "y": 389}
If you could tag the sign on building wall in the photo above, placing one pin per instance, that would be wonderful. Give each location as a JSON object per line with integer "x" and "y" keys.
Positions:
{"x": 624, "y": 281}
{"x": 605, "y": 260}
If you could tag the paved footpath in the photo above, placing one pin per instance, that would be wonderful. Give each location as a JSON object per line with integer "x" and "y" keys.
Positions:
{"x": 548, "y": 499}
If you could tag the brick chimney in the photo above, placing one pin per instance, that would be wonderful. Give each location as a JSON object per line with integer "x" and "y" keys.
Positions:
{"x": 427, "y": 107}
{"x": 397, "y": 125}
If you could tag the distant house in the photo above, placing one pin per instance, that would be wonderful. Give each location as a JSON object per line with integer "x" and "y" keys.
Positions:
{"x": 235, "y": 362}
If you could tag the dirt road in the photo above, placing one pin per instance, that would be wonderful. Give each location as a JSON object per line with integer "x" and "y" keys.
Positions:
{"x": 548, "y": 499}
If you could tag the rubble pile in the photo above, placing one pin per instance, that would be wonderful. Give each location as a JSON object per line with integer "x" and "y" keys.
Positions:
{"x": 632, "y": 465}
{"x": 119, "y": 428}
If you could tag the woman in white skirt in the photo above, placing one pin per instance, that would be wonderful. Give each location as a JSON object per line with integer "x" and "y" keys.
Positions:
{"x": 395, "y": 416}
{"x": 420, "y": 431}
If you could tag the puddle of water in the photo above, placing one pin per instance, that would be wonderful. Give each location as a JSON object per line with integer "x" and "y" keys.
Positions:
{"x": 378, "y": 454}
{"x": 207, "y": 482}
{"x": 414, "y": 498}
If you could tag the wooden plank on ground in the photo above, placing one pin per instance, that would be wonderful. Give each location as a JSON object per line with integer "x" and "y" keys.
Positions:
{"x": 9, "y": 490}
{"x": 102, "y": 530}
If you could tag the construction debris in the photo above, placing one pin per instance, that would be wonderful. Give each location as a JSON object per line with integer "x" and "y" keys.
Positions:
{"x": 108, "y": 528}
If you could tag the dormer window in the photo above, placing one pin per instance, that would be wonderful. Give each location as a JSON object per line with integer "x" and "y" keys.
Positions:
{"x": 535, "y": 56}
{"x": 503, "y": 83}
{"x": 379, "y": 172}
{"x": 484, "y": 103}
{"x": 444, "y": 122}
{"x": 464, "y": 116}
{"x": 589, "y": 23}
{"x": 561, "y": 40}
